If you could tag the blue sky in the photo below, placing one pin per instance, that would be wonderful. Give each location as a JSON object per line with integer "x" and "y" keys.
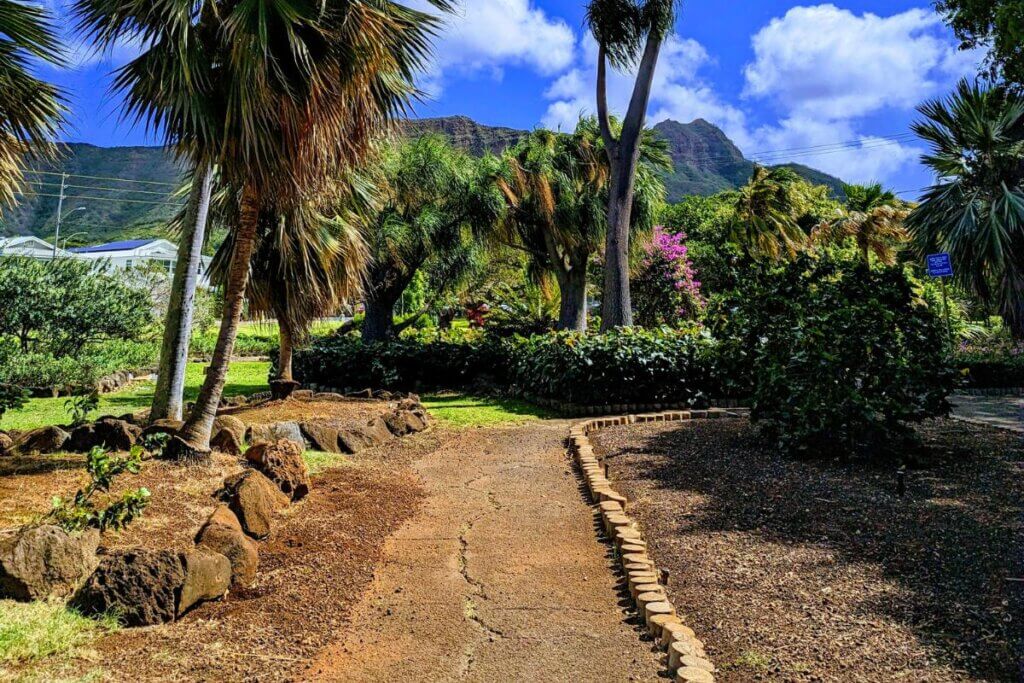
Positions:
{"x": 775, "y": 75}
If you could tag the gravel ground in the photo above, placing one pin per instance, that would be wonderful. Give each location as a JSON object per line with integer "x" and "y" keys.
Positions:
{"x": 820, "y": 571}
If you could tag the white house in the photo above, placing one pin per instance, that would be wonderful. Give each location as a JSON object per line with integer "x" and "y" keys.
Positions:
{"x": 31, "y": 247}
{"x": 136, "y": 253}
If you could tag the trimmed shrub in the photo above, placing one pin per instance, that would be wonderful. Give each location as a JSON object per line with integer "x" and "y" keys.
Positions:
{"x": 841, "y": 357}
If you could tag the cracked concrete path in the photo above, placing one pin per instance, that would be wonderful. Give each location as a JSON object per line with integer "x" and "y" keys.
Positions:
{"x": 499, "y": 577}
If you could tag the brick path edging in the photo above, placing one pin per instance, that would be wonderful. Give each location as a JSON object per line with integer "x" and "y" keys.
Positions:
{"x": 686, "y": 656}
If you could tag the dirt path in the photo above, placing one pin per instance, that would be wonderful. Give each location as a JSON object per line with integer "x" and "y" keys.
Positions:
{"x": 498, "y": 577}
{"x": 1004, "y": 412}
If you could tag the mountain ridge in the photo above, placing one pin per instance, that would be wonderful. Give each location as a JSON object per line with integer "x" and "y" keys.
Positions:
{"x": 99, "y": 206}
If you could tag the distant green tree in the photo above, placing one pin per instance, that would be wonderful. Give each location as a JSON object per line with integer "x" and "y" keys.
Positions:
{"x": 996, "y": 25}
{"x": 976, "y": 209}
{"x": 707, "y": 222}
{"x": 435, "y": 203}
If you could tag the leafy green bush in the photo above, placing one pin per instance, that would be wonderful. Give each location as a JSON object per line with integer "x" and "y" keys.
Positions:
{"x": 841, "y": 358}
{"x": 81, "y": 371}
{"x": 81, "y": 512}
{"x": 633, "y": 366}
{"x": 991, "y": 363}
{"x": 11, "y": 398}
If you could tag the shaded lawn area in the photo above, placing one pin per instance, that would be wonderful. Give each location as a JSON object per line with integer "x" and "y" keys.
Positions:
{"x": 459, "y": 410}
{"x": 243, "y": 378}
{"x": 811, "y": 571}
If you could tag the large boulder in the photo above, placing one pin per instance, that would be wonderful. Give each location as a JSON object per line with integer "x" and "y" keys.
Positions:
{"x": 232, "y": 424}
{"x": 402, "y": 422}
{"x": 377, "y": 431}
{"x": 207, "y": 577}
{"x": 5, "y": 442}
{"x": 282, "y": 463}
{"x": 323, "y": 436}
{"x": 223, "y": 534}
{"x": 254, "y": 499}
{"x": 107, "y": 432}
{"x": 225, "y": 441}
{"x": 278, "y": 431}
{"x": 42, "y": 440}
{"x": 46, "y": 561}
{"x": 82, "y": 438}
{"x": 140, "y": 586}
{"x": 162, "y": 426}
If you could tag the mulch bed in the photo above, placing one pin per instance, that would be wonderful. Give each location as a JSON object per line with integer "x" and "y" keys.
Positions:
{"x": 810, "y": 571}
{"x": 351, "y": 410}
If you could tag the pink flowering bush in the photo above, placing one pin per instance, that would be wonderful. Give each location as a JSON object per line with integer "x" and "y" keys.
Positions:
{"x": 665, "y": 288}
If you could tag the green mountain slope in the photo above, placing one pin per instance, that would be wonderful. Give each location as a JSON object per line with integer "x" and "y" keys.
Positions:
{"x": 705, "y": 162}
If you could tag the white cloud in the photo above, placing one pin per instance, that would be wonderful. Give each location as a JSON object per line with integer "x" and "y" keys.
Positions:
{"x": 486, "y": 36}
{"x": 828, "y": 62}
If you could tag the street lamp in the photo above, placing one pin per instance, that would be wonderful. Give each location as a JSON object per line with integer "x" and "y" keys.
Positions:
{"x": 56, "y": 237}
{"x": 74, "y": 235}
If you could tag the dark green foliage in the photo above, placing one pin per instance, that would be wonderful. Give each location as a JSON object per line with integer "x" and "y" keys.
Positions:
{"x": 839, "y": 358}
{"x": 11, "y": 398}
{"x": 629, "y": 366}
{"x": 81, "y": 512}
{"x": 995, "y": 25}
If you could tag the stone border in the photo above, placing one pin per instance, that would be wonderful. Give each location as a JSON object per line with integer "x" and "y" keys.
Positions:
{"x": 581, "y": 410}
{"x": 686, "y": 655}
{"x": 991, "y": 391}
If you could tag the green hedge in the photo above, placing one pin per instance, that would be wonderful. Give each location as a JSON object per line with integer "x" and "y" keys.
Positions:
{"x": 991, "y": 372}
{"x": 42, "y": 370}
{"x": 632, "y": 366}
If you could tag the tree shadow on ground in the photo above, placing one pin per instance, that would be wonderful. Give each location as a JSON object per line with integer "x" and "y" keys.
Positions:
{"x": 40, "y": 464}
{"x": 952, "y": 542}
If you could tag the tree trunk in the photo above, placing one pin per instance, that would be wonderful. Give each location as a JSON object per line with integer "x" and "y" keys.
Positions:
{"x": 193, "y": 441}
{"x": 285, "y": 351}
{"x": 623, "y": 155}
{"x": 379, "y": 323}
{"x": 170, "y": 384}
{"x": 572, "y": 286}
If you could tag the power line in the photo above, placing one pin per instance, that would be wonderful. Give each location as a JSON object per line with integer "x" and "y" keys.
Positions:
{"x": 43, "y": 183}
{"x": 107, "y": 199}
{"x": 109, "y": 178}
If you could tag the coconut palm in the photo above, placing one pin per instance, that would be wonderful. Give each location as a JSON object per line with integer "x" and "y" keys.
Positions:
{"x": 279, "y": 98}
{"x": 628, "y": 33}
{"x": 30, "y": 109}
{"x": 874, "y": 219}
{"x": 557, "y": 189}
{"x": 975, "y": 211}
{"x": 767, "y": 221}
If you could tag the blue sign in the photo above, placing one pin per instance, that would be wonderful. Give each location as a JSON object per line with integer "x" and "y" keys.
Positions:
{"x": 939, "y": 265}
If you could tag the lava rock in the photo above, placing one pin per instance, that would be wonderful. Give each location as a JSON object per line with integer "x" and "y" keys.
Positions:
{"x": 115, "y": 434}
{"x": 140, "y": 586}
{"x": 269, "y": 433}
{"x": 163, "y": 426}
{"x": 323, "y": 436}
{"x": 46, "y": 561}
{"x": 207, "y": 577}
{"x": 254, "y": 499}
{"x": 282, "y": 463}
{"x": 223, "y": 534}
{"x": 42, "y": 440}
{"x": 232, "y": 424}
{"x": 402, "y": 422}
{"x": 5, "y": 442}
{"x": 225, "y": 441}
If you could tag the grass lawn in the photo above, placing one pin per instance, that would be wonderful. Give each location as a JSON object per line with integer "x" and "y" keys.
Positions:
{"x": 458, "y": 410}
{"x": 33, "y": 630}
{"x": 243, "y": 378}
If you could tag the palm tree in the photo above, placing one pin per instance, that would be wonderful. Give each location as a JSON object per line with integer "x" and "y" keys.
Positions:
{"x": 557, "y": 190}
{"x": 278, "y": 98}
{"x": 628, "y": 33}
{"x": 30, "y": 109}
{"x": 874, "y": 218}
{"x": 767, "y": 224}
{"x": 975, "y": 211}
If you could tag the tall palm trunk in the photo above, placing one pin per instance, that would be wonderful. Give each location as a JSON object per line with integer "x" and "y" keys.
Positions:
{"x": 572, "y": 287}
{"x": 170, "y": 384}
{"x": 192, "y": 444}
{"x": 286, "y": 347}
{"x": 623, "y": 156}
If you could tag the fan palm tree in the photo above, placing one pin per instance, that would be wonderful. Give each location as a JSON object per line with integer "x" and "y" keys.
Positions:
{"x": 556, "y": 187}
{"x": 766, "y": 223}
{"x": 628, "y": 33}
{"x": 279, "y": 97}
{"x": 975, "y": 211}
{"x": 874, "y": 218}
{"x": 30, "y": 109}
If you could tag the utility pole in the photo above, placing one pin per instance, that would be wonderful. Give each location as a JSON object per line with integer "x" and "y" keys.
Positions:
{"x": 60, "y": 208}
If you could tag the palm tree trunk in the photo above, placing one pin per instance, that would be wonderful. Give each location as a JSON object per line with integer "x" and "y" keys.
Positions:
{"x": 379, "y": 323}
{"x": 616, "y": 304}
{"x": 572, "y": 286}
{"x": 170, "y": 384}
{"x": 192, "y": 444}
{"x": 285, "y": 351}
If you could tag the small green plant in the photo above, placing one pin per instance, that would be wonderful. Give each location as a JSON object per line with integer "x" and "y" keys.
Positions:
{"x": 81, "y": 406}
{"x": 154, "y": 444}
{"x": 81, "y": 512}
